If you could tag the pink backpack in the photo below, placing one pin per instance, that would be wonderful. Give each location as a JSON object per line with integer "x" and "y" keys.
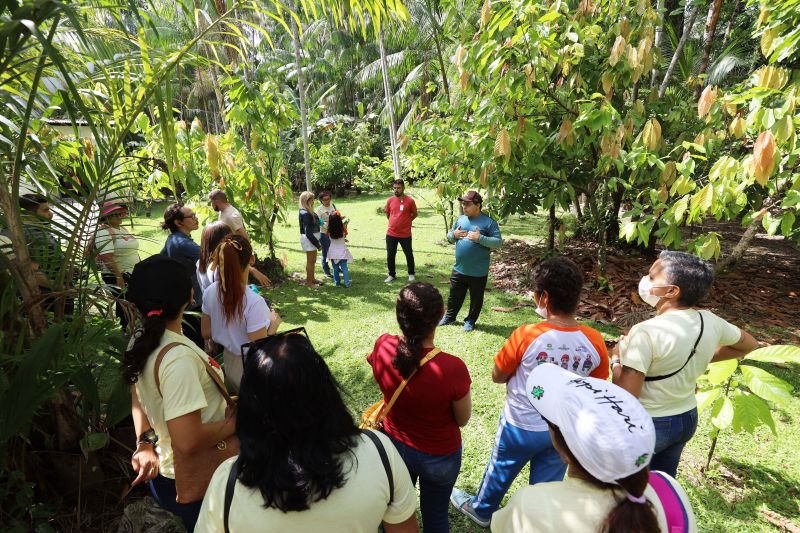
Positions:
{"x": 674, "y": 508}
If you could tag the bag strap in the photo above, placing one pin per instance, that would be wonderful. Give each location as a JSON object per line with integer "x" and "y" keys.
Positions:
{"x": 214, "y": 376}
{"x": 403, "y": 383}
{"x": 691, "y": 354}
{"x": 384, "y": 459}
{"x": 230, "y": 486}
{"x": 674, "y": 509}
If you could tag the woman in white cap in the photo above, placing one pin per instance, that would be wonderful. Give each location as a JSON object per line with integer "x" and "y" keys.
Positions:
{"x": 607, "y": 439}
{"x": 117, "y": 251}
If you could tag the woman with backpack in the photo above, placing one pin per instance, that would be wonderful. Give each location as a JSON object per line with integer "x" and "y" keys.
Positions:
{"x": 304, "y": 466}
{"x": 117, "y": 252}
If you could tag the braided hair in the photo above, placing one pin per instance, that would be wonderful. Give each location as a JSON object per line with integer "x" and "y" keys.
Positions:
{"x": 419, "y": 309}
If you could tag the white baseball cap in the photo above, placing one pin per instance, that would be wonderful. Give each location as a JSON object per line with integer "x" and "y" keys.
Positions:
{"x": 605, "y": 427}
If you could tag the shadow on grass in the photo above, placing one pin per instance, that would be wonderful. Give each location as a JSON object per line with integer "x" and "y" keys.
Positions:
{"x": 761, "y": 486}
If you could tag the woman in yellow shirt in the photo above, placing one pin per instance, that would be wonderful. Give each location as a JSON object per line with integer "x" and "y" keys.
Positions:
{"x": 183, "y": 410}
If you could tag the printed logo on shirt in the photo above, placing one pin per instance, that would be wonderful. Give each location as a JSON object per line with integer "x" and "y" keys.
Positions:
{"x": 565, "y": 361}
{"x": 537, "y": 392}
{"x": 542, "y": 358}
{"x": 587, "y": 364}
{"x": 576, "y": 362}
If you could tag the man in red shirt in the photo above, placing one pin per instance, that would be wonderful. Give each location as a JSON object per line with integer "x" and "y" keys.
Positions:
{"x": 400, "y": 210}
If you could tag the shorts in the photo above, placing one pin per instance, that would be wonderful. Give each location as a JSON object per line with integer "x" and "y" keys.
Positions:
{"x": 306, "y": 244}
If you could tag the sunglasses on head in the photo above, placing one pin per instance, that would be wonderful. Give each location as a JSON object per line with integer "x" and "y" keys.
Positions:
{"x": 263, "y": 344}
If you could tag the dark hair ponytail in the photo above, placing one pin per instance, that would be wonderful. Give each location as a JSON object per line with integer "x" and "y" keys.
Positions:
{"x": 146, "y": 339}
{"x": 419, "y": 309}
{"x": 160, "y": 288}
{"x": 627, "y": 516}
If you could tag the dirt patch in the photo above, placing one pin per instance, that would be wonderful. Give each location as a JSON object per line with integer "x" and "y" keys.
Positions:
{"x": 762, "y": 293}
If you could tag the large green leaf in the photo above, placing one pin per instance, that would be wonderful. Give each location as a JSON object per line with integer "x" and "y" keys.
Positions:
{"x": 766, "y": 385}
{"x": 706, "y": 398}
{"x": 749, "y": 412}
{"x": 779, "y": 353}
{"x": 719, "y": 372}
{"x": 722, "y": 413}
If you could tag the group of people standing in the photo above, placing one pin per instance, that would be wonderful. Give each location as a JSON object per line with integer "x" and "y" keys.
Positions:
{"x": 615, "y": 422}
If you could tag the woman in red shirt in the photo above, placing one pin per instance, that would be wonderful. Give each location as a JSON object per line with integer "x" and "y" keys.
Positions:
{"x": 424, "y": 423}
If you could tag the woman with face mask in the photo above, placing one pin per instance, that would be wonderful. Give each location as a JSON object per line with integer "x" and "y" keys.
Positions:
{"x": 660, "y": 360}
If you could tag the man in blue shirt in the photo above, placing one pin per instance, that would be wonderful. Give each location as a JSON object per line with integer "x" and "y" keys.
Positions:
{"x": 475, "y": 235}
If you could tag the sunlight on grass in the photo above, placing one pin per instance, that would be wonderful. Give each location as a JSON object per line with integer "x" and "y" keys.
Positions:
{"x": 757, "y": 473}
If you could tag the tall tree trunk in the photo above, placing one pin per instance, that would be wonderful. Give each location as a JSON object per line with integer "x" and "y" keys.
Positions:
{"x": 657, "y": 41}
{"x": 201, "y": 24}
{"x": 678, "y": 51}
{"x": 729, "y": 29}
{"x": 599, "y": 221}
{"x": 301, "y": 94}
{"x": 387, "y": 89}
{"x": 551, "y": 229}
{"x": 445, "y": 83}
{"x": 708, "y": 41}
{"x": 578, "y": 210}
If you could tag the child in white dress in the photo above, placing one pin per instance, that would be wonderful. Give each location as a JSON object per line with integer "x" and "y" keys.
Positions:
{"x": 338, "y": 254}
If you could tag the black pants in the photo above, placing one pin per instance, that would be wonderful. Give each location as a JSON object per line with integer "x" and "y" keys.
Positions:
{"x": 111, "y": 279}
{"x": 391, "y": 252}
{"x": 459, "y": 283}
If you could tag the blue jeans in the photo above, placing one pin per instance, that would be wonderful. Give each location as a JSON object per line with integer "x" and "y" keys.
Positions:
{"x": 437, "y": 476}
{"x": 513, "y": 448}
{"x": 340, "y": 266}
{"x": 163, "y": 491}
{"x": 325, "y": 241}
{"x": 672, "y": 434}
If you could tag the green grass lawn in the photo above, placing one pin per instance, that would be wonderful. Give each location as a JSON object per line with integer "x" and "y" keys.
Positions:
{"x": 754, "y": 476}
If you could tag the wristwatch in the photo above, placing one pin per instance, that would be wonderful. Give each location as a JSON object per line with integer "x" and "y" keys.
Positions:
{"x": 148, "y": 437}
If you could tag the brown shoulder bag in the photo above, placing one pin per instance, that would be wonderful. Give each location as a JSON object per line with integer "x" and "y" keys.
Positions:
{"x": 193, "y": 471}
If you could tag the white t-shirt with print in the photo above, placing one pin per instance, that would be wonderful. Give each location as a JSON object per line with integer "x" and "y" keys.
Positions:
{"x": 660, "y": 346}
{"x": 120, "y": 243}
{"x": 324, "y": 213}
{"x": 232, "y": 218}
{"x": 357, "y": 507}
{"x": 233, "y": 334}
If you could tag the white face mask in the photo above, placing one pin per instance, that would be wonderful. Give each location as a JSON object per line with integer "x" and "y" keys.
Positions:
{"x": 542, "y": 311}
{"x": 645, "y": 286}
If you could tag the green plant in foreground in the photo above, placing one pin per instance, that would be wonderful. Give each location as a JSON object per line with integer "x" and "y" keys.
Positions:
{"x": 738, "y": 393}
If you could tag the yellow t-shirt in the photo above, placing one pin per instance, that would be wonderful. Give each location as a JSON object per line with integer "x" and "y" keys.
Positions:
{"x": 661, "y": 345}
{"x": 358, "y": 507}
{"x": 573, "y": 506}
{"x": 186, "y": 387}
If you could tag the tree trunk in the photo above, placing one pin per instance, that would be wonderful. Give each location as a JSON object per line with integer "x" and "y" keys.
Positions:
{"x": 200, "y": 22}
{"x": 708, "y": 41}
{"x": 387, "y": 89}
{"x": 578, "y": 210}
{"x": 445, "y": 83}
{"x": 729, "y": 29}
{"x": 601, "y": 234}
{"x": 678, "y": 51}
{"x": 22, "y": 265}
{"x": 738, "y": 251}
{"x": 551, "y": 229}
{"x": 301, "y": 95}
{"x": 657, "y": 41}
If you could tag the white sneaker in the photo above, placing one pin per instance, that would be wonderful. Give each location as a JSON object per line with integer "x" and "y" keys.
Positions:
{"x": 389, "y": 279}
{"x": 411, "y": 277}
